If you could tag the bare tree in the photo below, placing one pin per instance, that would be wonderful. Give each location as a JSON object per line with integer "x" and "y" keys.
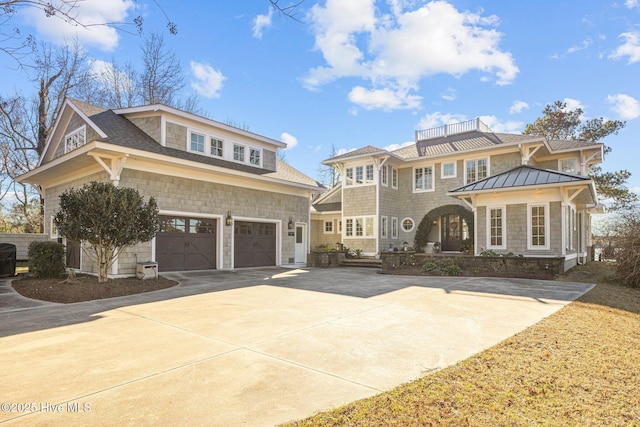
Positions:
{"x": 17, "y": 45}
{"x": 161, "y": 78}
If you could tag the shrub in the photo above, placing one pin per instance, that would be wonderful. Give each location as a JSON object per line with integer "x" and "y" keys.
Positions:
{"x": 429, "y": 267}
{"x": 628, "y": 255}
{"x": 46, "y": 259}
{"x": 452, "y": 270}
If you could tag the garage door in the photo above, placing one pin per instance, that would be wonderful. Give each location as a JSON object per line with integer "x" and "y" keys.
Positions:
{"x": 254, "y": 244}
{"x": 186, "y": 244}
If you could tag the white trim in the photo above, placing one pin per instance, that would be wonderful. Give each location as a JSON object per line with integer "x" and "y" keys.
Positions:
{"x": 366, "y": 220}
{"x": 384, "y": 227}
{"x": 455, "y": 170}
{"x": 394, "y": 171}
{"x": 413, "y": 226}
{"x": 393, "y": 233}
{"x": 547, "y": 237}
{"x": 384, "y": 182}
{"x": 433, "y": 179}
{"x": 305, "y": 242}
{"x": 52, "y": 227}
{"x": 503, "y": 208}
{"x": 67, "y": 135}
{"x": 576, "y": 165}
{"x": 475, "y": 159}
{"x": 324, "y": 227}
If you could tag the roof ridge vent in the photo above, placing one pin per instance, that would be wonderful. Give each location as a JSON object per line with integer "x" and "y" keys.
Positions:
{"x": 452, "y": 129}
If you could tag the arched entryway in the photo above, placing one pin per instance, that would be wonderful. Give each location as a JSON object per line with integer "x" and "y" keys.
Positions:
{"x": 455, "y": 224}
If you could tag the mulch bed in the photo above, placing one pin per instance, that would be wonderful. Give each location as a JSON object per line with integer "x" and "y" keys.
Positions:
{"x": 85, "y": 288}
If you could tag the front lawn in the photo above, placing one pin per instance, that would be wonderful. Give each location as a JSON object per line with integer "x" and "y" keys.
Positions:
{"x": 578, "y": 367}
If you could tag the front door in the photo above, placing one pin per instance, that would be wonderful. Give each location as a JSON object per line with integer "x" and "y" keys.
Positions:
{"x": 301, "y": 247}
{"x": 451, "y": 232}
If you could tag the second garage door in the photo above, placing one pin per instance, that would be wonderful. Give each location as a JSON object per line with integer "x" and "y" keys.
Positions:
{"x": 254, "y": 244}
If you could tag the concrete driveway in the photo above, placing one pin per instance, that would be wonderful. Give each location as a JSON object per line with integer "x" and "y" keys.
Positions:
{"x": 255, "y": 347}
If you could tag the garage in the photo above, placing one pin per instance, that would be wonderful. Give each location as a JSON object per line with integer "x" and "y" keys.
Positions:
{"x": 254, "y": 244}
{"x": 184, "y": 243}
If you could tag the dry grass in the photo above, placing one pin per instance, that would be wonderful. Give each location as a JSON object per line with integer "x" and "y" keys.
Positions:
{"x": 578, "y": 367}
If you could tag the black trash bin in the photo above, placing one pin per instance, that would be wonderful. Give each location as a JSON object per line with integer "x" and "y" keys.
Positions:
{"x": 7, "y": 259}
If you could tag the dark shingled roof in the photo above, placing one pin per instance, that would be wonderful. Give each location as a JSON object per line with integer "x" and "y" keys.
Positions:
{"x": 120, "y": 131}
{"x": 521, "y": 176}
{"x": 328, "y": 207}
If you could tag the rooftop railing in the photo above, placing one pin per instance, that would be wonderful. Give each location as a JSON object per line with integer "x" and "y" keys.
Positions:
{"x": 452, "y": 129}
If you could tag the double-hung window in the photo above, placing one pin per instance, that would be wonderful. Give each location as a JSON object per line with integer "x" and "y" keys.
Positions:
{"x": 238, "y": 153}
{"x": 217, "y": 147}
{"x": 197, "y": 142}
{"x": 538, "y": 225}
{"x": 369, "y": 174}
{"x": 449, "y": 170}
{"x": 476, "y": 170}
{"x": 384, "y": 175}
{"x": 348, "y": 176}
{"x": 423, "y": 179}
{"x": 568, "y": 165}
{"x": 348, "y": 227}
{"x": 254, "y": 156}
{"x": 328, "y": 227}
{"x": 394, "y": 227}
{"x": 359, "y": 175}
{"x": 394, "y": 177}
{"x": 496, "y": 223}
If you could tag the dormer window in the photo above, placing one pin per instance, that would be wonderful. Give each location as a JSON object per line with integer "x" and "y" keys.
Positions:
{"x": 254, "y": 157}
{"x": 75, "y": 139}
{"x": 217, "y": 147}
{"x": 238, "y": 153}
{"x": 197, "y": 142}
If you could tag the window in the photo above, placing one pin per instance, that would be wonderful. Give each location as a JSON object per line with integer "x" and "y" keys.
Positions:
{"x": 423, "y": 179}
{"x": 449, "y": 170}
{"x": 538, "y": 236}
{"x": 384, "y": 175}
{"x": 384, "y": 232}
{"x": 349, "y": 227}
{"x": 328, "y": 227}
{"x": 496, "y": 225}
{"x": 238, "y": 153}
{"x": 407, "y": 225}
{"x": 394, "y": 227}
{"x": 368, "y": 227}
{"x": 359, "y": 171}
{"x": 568, "y": 165}
{"x": 476, "y": 170}
{"x": 349, "y": 176}
{"x": 53, "y": 230}
{"x": 197, "y": 142}
{"x": 216, "y": 147}
{"x": 369, "y": 170}
{"x": 570, "y": 222}
{"x": 359, "y": 227}
{"x": 394, "y": 177}
{"x": 75, "y": 139}
{"x": 339, "y": 226}
{"x": 254, "y": 157}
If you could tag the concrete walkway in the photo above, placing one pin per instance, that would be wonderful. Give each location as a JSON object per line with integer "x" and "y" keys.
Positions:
{"x": 256, "y": 347}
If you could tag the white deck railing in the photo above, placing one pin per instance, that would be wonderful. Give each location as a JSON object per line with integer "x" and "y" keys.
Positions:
{"x": 452, "y": 129}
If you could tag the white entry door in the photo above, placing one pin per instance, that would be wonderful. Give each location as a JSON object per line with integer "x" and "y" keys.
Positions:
{"x": 301, "y": 244}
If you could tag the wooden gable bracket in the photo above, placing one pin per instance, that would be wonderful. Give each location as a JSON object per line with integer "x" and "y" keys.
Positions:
{"x": 528, "y": 152}
{"x": 469, "y": 201}
{"x": 568, "y": 194}
{"x": 115, "y": 168}
{"x": 584, "y": 161}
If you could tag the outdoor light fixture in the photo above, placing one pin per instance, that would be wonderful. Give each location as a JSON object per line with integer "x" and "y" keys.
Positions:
{"x": 290, "y": 225}
{"x": 405, "y": 244}
{"x": 228, "y": 220}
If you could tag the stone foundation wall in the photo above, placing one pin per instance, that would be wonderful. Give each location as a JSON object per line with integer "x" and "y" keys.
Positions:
{"x": 476, "y": 264}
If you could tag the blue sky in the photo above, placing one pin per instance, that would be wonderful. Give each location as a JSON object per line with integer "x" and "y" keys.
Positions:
{"x": 363, "y": 72}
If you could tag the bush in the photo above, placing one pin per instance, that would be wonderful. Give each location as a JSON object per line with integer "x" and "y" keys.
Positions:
{"x": 628, "y": 255}
{"x": 429, "y": 267}
{"x": 46, "y": 259}
{"x": 452, "y": 270}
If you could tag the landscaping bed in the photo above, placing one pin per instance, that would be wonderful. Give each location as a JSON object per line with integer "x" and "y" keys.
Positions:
{"x": 85, "y": 288}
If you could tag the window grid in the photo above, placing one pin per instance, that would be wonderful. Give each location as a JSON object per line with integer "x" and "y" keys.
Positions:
{"x": 423, "y": 179}
{"x": 238, "y": 153}
{"x": 384, "y": 175}
{"x": 328, "y": 227}
{"x": 216, "y": 147}
{"x": 254, "y": 156}
{"x": 394, "y": 177}
{"x": 359, "y": 171}
{"x": 369, "y": 173}
{"x": 384, "y": 227}
{"x": 538, "y": 226}
{"x": 76, "y": 139}
{"x": 197, "y": 142}
{"x": 496, "y": 223}
{"x": 349, "y": 227}
{"x": 477, "y": 170}
{"x": 394, "y": 227}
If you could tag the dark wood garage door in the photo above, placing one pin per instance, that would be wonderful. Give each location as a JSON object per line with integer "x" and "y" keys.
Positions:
{"x": 186, "y": 244}
{"x": 254, "y": 244}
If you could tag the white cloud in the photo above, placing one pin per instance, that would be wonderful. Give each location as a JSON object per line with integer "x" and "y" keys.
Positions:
{"x": 635, "y": 190}
{"x": 585, "y": 44}
{"x": 393, "y": 147}
{"x": 91, "y": 14}
{"x": 518, "y": 107}
{"x": 572, "y": 104}
{"x": 289, "y": 139}
{"x": 261, "y": 22}
{"x": 449, "y": 94}
{"x": 394, "y": 51}
{"x": 109, "y": 77}
{"x": 630, "y": 48}
{"x": 497, "y": 125}
{"x": 436, "y": 119}
{"x": 631, "y": 3}
{"x": 440, "y": 119}
{"x": 384, "y": 99}
{"x": 208, "y": 81}
{"x": 344, "y": 151}
{"x": 625, "y": 106}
